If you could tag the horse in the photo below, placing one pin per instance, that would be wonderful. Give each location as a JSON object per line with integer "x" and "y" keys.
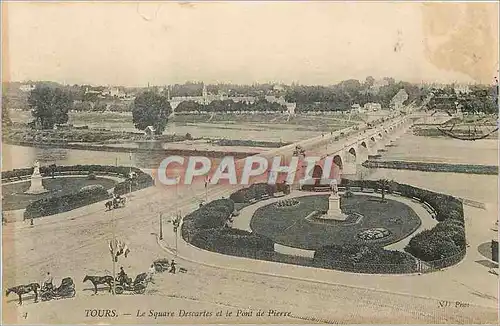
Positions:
{"x": 109, "y": 205}
{"x": 96, "y": 280}
{"x": 24, "y": 289}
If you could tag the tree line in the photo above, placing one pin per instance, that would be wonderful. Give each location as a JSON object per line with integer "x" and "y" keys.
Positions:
{"x": 346, "y": 93}
{"x": 480, "y": 98}
{"x": 259, "y": 105}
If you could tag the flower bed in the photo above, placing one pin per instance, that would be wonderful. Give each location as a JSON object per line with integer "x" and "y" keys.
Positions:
{"x": 287, "y": 203}
{"x": 373, "y": 234}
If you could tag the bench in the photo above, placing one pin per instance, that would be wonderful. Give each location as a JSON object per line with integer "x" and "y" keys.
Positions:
{"x": 263, "y": 197}
{"x": 278, "y": 194}
{"x": 355, "y": 189}
{"x": 368, "y": 190}
{"x": 252, "y": 201}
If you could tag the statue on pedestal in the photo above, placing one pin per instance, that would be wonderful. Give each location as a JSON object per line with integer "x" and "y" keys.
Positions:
{"x": 36, "y": 186}
{"x": 333, "y": 187}
{"x": 36, "y": 168}
{"x": 334, "y": 212}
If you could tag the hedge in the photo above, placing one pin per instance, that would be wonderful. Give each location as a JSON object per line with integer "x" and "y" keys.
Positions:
{"x": 447, "y": 239}
{"x": 257, "y": 190}
{"x": 209, "y": 216}
{"x": 205, "y": 229}
{"x": 55, "y": 205}
{"x": 233, "y": 242}
{"x": 364, "y": 259}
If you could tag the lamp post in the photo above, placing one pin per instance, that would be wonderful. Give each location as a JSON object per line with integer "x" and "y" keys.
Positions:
{"x": 176, "y": 222}
{"x": 161, "y": 226}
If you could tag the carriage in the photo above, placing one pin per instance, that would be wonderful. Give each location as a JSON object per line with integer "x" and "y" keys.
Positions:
{"x": 161, "y": 265}
{"x": 138, "y": 286}
{"x": 65, "y": 290}
{"x": 116, "y": 203}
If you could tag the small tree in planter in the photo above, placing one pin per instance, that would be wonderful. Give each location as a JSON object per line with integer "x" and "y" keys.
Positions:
{"x": 382, "y": 183}
{"x": 494, "y": 250}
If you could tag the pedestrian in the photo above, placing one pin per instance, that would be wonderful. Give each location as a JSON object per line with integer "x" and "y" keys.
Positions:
{"x": 48, "y": 282}
{"x": 172, "y": 267}
{"x": 151, "y": 272}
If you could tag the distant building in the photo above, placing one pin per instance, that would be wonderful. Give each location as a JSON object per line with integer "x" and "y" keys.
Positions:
{"x": 372, "y": 106}
{"x": 91, "y": 91}
{"x": 278, "y": 88}
{"x": 462, "y": 89}
{"x": 113, "y": 92}
{"x": 398, "y": 100}
{"x": 27, "y": 88}
{"x": 149, "y": 131}
{"x": 356, "y": 108}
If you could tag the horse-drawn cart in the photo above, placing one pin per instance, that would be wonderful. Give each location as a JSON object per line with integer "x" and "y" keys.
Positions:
{"x": 116, "y": 203}
{"x": 65, "y": 290}
{"x": 138, "y": 286}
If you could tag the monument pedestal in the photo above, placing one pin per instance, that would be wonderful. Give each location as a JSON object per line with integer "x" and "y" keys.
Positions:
{"x": 334, "y": 212}
{"x": 36, "y": 184}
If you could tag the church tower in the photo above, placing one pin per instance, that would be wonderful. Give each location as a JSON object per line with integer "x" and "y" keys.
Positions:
{"x": 205, "y": 94}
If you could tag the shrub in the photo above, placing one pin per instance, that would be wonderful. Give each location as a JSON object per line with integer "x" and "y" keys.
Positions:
{"x": 254, "y": 191}
{"x": 232, "y": 242}
{"x": 364, "y": 258}
{"x": 92, "y": 188}
{"x": 456, "y": 232}
{"x": 54, "y": 205}
{"x": 430, "y": 245}
{"x": 209, "y": 216}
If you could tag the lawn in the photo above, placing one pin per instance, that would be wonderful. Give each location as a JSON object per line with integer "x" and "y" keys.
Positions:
{"x": 288, "y": 226}
{"x": 15, "y": 198}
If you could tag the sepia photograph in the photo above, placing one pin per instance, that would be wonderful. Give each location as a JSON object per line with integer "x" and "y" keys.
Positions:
{"x": 250, "y": 162}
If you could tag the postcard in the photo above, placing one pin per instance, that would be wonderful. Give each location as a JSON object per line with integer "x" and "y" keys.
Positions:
{"x": 233, "y": 162}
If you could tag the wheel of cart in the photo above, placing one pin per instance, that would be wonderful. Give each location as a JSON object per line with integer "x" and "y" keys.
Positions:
{"x": 139, "y": 289}
{"x": 119, "y": 289}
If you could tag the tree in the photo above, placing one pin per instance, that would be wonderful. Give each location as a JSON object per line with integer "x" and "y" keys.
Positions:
{"x": 151, "y": 109}
{"x": 383, "y": 186}
{"x": 5, "y": 113}
{"x": 49, "y": 106}
{"x": 370, "y": 81}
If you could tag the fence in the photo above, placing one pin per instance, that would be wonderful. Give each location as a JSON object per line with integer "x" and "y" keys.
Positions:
{"x": 473, "y": 203}
{"x": 431, "y": 266}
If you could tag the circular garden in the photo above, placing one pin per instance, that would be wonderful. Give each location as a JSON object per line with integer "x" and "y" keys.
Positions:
{"x": 382, "y": 223}
{"x": 14, "y": 196}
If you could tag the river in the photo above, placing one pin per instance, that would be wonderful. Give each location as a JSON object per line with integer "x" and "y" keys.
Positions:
{"x": 482, "y": 188}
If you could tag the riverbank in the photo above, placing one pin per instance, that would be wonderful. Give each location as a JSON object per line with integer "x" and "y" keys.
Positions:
{"x": 20, "y": 132}
{"x": 432, "y": 167}
{"x": 167, "y": 152}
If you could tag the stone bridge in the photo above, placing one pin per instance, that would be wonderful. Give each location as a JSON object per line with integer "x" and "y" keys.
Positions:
{"x": 350, "y": 147}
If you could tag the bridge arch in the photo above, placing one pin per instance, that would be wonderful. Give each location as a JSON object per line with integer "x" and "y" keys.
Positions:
{"x": 337, "y": 160}
{"x": 363, "y": 151}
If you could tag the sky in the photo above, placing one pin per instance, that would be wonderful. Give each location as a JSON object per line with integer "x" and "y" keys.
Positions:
{"x": 134, "y": 44}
